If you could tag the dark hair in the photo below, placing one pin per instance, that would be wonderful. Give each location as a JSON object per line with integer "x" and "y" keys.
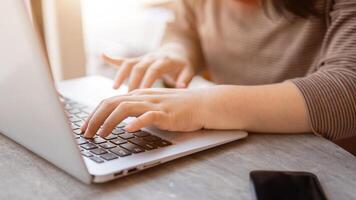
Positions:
{"x": 301, "y": 8}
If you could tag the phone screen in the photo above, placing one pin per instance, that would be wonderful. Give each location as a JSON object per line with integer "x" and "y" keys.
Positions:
{"x": 279, "y": 185}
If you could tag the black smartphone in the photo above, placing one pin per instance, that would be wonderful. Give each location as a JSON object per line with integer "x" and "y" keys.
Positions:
{"x": 283, "y": 185}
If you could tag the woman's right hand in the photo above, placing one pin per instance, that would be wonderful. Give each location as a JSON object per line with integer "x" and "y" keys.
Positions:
{"x": 143, "y": 71}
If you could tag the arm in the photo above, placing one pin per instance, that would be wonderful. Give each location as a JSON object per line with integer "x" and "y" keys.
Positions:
{"x": 324, "y": 102}
{"x": 277, "y": 108}
{"x": 253, "y": 108}
{"x": 330, "y": 92}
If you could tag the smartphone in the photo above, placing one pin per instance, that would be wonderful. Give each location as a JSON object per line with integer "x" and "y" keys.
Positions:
{"x": 283, "y": 185}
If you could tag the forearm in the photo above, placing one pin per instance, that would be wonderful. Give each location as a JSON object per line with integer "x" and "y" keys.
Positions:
{"x": 277, "y": 108}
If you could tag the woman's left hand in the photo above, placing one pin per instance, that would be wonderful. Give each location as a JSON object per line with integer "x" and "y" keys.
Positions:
{"x": 166, "y": 109}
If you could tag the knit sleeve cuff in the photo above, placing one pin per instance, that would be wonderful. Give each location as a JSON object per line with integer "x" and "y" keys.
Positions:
{"x": 330, "y": 97}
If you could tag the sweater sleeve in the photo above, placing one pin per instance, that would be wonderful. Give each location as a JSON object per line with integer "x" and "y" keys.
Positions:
{"x": 330, "y": 92}
{"x": 181, "y": 37}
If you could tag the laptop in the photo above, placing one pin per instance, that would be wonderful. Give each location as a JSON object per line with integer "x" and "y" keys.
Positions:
{"x": 36, "y": 116}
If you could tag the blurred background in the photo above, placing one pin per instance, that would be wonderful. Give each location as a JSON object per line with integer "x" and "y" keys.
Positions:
{"x": 77, "y": 32}
{"x": 121, "y": 28}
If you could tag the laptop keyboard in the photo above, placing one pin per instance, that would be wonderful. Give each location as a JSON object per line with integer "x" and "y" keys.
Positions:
{"x": 118, "y": 144}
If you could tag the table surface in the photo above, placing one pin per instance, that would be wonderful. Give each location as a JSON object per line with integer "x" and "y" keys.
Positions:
{"x": 218, "y": 173}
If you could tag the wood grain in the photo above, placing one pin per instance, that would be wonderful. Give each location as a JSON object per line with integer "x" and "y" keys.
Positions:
{"x": 219, "y": 173}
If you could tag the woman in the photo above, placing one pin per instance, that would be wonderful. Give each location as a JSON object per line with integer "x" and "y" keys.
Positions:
{"x": 283, "y": 66}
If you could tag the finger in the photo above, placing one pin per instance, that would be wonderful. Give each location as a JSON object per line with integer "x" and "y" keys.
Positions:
{"x": 102, "y": 112}
{"x": 153, "y": 91}
{"x": 124, "y": 110}
{"x": 118, "y": 99}
{"x": 137, "y": 73}
{"x": 154, "y": 118}
{"x": 109, "y": 60}
{"x": 154, "y": 72}
{"x": 169, "y": 80}
{"x": 123, "y": 72}
{"x": 184, "y": 77}
{"x": 85, "y": 125}
{"x": 98, "y": 117}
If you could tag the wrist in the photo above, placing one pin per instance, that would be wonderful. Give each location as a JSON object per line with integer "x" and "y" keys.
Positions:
{"x": 223, "y": 108}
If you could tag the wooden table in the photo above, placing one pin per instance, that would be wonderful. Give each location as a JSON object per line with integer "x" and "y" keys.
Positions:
{"x": 219, "y": 173}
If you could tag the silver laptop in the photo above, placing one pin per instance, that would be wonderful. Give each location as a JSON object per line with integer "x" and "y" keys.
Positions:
{"x": 33, "y": 114}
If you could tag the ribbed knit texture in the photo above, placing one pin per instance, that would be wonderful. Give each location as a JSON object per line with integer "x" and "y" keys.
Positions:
{"x": 241, "y": 45}
{"x": 330, "y": 92}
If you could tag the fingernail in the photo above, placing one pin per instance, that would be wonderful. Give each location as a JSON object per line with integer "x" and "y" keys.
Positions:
{"x": 181, "y": 85}
{"x": 128, "y": 128}
{"x": 101, "y": 133}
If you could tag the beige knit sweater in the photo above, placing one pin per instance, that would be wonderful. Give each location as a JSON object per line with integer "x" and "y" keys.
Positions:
{"x": 240, "y": 44}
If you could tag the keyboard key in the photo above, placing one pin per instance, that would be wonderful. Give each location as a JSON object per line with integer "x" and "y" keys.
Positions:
{"x": 132, "y": 147}
{"x": 74, "y": 111}
{"x": 137, "y": 141}
{"x": 97, "y": 140}
{"x": 108, "y": 156}
{"x": 81, "y": 141}
{"x": 77, "y": 105}
{"x": 68, "y": 107}
{"x": 153, "y": 144}
{"x": 107, "y": 145}
{"x": 141, "y": 134}
{"x": 74, "y": 119}
{"x": 74, "y": 126}
{"x": 86, "y": 110}
{"x": 110, "y": 137}
{"x": 118, "y": 141}
{"x": 76, "y": 136}
{"x": 86, "y": 154}
{"x": 121, "y": 125}
{"x": 65, "y": 99}
{"x": 143, "y": 143}
{"x": 126, "y": 136}
{"x": 80, "y": 124}
{"x": 162, "y": 143}
{"x": 118, "y": 131}
{"x": 120, "y": 151}
{"x": 151, "y": 138}
{"x": 89, "y": 146}
{"x": 82, "y": 115}
{"x": 78, "y": 132}
{"x": 96, "y": 159}
{"x": 98, "y": 151}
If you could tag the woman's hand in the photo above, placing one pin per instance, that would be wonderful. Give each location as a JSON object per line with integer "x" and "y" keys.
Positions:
{"x": 142, "y": 72}
{"x": 166, "y": 109}
{"x": 276, "y": 108}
